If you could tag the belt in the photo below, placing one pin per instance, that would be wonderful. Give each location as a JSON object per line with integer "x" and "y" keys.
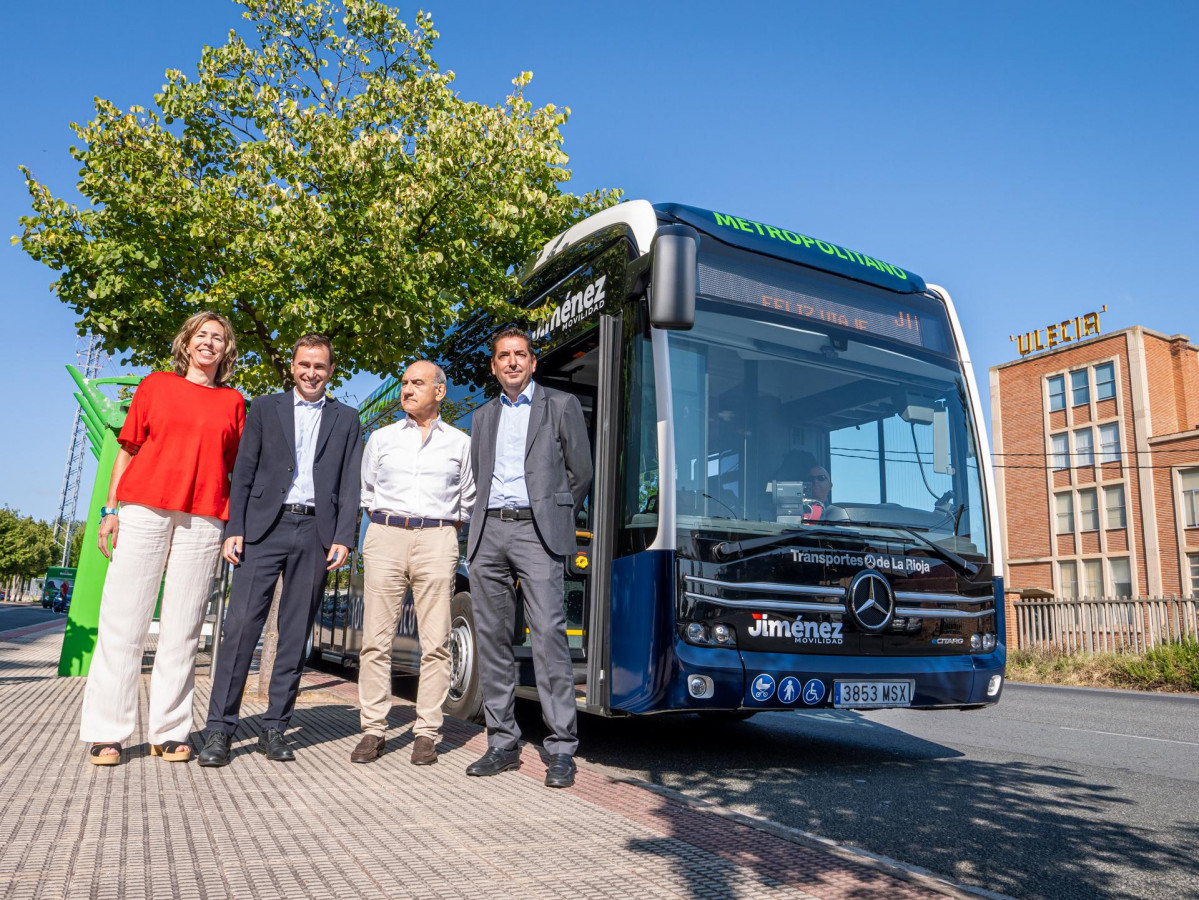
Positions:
{"x": 299, "y": 509}
{"x": 510, "y": 513}
{"x": 409, "y": 521}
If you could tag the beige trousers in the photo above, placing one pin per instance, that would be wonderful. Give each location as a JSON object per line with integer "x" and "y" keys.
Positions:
{"x": 396, "y": 559}
{"x": 150, "y": 539}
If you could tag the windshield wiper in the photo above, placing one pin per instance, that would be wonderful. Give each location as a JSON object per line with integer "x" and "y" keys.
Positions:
{"x": 944, "y": 552}
{"x": 729, "y": 549}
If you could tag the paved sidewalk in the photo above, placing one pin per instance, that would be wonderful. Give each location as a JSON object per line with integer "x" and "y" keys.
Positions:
{"x": 321, "y": 827}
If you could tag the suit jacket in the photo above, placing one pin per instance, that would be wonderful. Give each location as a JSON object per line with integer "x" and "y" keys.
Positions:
{"x": 557, "y": 466}
{"x": 265, "y": 467}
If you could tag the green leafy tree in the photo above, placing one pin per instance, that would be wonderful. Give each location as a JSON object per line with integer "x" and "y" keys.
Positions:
{"x": 27, "y": 546}
{"x": 322, "y": 175}
{"x": 77, "y": 532}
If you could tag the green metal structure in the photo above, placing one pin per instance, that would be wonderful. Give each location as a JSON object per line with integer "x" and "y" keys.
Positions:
{"x": 103, "y": 419}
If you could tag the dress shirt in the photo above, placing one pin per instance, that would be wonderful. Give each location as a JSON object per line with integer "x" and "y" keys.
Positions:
{"x": 508, "y": 488}
{"x": 403, "y": 475}
{"x": 308, "y": 425}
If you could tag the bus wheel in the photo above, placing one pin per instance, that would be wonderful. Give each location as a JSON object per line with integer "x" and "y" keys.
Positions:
{"x": 465, "y": 700}
{"x": 726, "y": 715}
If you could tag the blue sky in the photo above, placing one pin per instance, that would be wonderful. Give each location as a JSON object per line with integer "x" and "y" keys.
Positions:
{"x": 1035, "y": 159}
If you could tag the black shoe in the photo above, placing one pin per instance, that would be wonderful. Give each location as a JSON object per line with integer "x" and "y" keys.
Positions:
{"x": 275, "y": 748}
{"x": 495, "y": 761}
{"x": 216, "y": 750}
{"x": 561, "y": 771}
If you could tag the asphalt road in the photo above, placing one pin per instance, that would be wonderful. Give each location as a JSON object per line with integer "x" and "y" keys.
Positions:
{"x": 20, "y": 615}
{"x": 1054, "y": 793}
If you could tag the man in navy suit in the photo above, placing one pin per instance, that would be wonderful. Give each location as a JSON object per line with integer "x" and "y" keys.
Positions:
{"x": 293, "y": 508}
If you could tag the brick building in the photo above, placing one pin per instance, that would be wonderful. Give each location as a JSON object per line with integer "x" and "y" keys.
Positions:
{"x": 1097, "y": 467}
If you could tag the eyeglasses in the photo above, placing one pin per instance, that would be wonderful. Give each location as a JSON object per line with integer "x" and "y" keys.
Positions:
{"x": 820, "y": 478}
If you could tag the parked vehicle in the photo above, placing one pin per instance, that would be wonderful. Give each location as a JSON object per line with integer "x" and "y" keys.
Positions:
{"x": 729, "y": 372}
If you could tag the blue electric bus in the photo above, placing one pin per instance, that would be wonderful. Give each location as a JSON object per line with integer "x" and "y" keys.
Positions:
{"x": 793, "y": 503}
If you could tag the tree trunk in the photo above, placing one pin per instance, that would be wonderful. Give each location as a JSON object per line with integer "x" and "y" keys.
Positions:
{"x": 270, "y": 645}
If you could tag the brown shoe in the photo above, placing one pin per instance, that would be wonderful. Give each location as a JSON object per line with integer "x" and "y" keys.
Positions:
{"x": 368, "y": 749}
{"x": 424, "y": 752}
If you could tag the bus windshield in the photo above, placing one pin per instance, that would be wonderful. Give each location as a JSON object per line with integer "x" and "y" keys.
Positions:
{"x": 847, "y": 411}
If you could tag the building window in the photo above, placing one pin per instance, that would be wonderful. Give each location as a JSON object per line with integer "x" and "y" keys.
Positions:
{"x": 1189, "y": 480}
{"x": 1080, "y": 393}
{"x": 1109, "y": 442}
{"x": 1068, "y": 575}
{"x": 1092, "y": 576}
{"x": 1084, "y": 448}
{"x": 1121, "y": 577}
{"x": 1193, "y": 561}
{"x": 1105, "y": 381}
{"x": 1088, "y": 510}
{"x": 1113, "y": 501}
{"x": 1061, "y": 451}
{"x": 1064, "y": 507}
{"x": 1057, "y": 393}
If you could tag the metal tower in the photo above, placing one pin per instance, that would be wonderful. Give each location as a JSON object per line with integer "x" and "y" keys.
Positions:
{"x": 91, "y": 360}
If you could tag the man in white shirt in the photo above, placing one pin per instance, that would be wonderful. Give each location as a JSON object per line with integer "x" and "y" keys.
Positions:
{"x": 418, "y": 486}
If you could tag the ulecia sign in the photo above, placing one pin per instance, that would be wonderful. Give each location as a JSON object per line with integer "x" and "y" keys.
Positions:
{"x": 1063, "y": 332}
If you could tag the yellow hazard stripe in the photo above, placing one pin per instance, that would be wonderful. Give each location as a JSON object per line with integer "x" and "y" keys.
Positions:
{"x": 573, "y": 632}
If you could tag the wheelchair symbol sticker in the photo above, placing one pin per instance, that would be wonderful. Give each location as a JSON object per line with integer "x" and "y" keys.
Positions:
{"x": 762, "y": 688}
{"x": 813, "y": 692}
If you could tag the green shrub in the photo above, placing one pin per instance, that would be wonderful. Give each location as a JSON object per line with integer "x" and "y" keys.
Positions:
{"x": 1167, "y": 666}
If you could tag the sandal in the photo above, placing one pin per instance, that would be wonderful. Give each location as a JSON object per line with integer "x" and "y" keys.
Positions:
{"x": 108, "y": 759}
{"x": 172, "y": 751}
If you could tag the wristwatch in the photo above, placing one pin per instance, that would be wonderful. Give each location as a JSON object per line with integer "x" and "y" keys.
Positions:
{"x": 107, "y": 511}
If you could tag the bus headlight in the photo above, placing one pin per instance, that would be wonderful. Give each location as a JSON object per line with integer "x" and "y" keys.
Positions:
{"x": 722, "y": 634}
{"x": 988, "y": 642}
{"x": 976, "y": 641}
{"x": 697, "y": 633}
{"x": 994, "y": 685}
{"x": 699, "y": 686}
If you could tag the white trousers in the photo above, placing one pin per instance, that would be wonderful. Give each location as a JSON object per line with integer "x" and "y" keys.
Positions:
{"x": 148, "y": 541}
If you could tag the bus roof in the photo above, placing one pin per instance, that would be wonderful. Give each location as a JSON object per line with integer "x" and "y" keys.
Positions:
{"x": 794, "y": 247}
{"x": 641, "y": 219}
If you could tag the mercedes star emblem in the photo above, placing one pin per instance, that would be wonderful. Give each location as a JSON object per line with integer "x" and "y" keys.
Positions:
{"x": 871, "y": 602}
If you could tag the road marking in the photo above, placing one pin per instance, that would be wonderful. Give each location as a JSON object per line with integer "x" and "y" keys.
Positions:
{"x": 1134, "y": 736}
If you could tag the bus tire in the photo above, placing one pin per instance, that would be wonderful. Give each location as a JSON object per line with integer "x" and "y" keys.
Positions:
{"x": 727, "y": 715}
{"x": 465, "y": 699}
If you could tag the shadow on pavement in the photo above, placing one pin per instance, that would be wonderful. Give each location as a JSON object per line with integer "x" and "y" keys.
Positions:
{"x": 1019, "y": 829}
{"x": 709, "y": 852}
{"x": 322, "y": 723}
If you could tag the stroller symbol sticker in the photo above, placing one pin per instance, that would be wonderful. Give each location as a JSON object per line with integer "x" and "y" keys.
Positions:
{"x": 762, "y": 688}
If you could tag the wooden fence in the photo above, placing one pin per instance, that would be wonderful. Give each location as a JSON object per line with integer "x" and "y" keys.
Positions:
{"x": 1104, "y": 625}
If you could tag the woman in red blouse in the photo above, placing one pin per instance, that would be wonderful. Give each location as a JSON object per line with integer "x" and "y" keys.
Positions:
{"x": 171, "y": 478}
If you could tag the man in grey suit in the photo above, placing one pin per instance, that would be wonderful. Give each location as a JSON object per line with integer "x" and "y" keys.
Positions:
{"x": 293, "y": 508}
{"x": 532, "y": 463}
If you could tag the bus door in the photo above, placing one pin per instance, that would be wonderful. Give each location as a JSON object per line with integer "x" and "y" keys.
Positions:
{"x": 587, "y": 368}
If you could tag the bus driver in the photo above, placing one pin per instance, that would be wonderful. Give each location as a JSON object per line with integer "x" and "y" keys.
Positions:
{"x": 819, "y": 486}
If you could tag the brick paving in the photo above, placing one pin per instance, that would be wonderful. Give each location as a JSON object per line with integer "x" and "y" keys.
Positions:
{"x": 322, "y": 827}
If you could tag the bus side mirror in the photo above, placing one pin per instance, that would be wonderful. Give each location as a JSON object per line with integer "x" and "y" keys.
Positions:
{"x": 672, "y": 288}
